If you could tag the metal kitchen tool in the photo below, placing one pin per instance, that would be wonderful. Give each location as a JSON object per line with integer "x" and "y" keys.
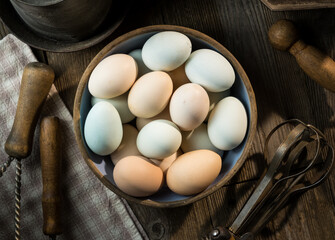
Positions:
{"x": 63, "y": 20}
{"x": 301, "y": 162}
{"x": 51, "y": 158}
{"x": 16, "y": 25}
{"x": 321, "y": 68}
{"x": 36, "y": 82}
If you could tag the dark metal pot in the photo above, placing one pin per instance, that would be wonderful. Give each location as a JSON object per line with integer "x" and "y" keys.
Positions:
{"x": 64, "y": 20}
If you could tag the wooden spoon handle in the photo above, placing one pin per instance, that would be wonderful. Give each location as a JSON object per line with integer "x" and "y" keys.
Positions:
{"x": 321, "y": 68}
{"x": 50, "y": 151}
{"x": 36, "y": 83}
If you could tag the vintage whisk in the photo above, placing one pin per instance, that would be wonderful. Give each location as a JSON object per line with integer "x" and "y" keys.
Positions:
{"x": 296, "y": 166}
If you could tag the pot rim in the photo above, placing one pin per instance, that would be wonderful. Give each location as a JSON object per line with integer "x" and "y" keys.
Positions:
{"x": 44, "y": 3}
{"x": 194, "y": 33}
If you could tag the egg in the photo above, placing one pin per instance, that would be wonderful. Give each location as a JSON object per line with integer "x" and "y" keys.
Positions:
{"x": 141, "y": 122}
{"x": 121, "y": 105}
{"x": 150, "y": 94}
{"x": 159, "y": 139}
{"x": 227, "y": 124}
{"x": 198, "y": 139}
{"x": 137, "y": 177}
{"x": 113, "y": 76}
{"x": 165, "y": 163}
{"x": 189, "y": 106}
{"x": 128, "y": 144}
{"x": 214, "y": 98}
{"x": 103, "y": 129}
{"x": 165, "y": 51}
{"x": 142, "y": 69}
{"x": 210, "y": 69}
{"x": 178, "y": 77}
{"x": 193, "y": 172}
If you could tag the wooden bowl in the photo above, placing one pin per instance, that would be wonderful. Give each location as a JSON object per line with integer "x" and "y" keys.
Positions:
{"x": 103, "y": 166}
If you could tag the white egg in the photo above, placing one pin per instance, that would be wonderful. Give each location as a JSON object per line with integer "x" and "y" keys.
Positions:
{"x": 198, "y": 139}
{"x": 113, "y": 76}
{"x": 159, "y": 139}
{"x": 121, "y": 105}
{"x": 166, "y": 50}
{"x": 214, "y": 98}
{"x": 227, "y": 124}
{"x": 142, "y": 69}
{"x": 103, "y": 129}
{"x": 210, "y": 69}
{"x": 189, "y": 106}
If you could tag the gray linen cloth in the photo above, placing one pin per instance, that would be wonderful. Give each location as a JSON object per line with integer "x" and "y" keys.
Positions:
{"x": 90, "y": 210}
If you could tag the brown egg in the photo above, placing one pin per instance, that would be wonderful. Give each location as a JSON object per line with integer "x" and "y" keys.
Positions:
{"x": 137, "y": 177}
{"x": 141, "y": 122}
{"x": 193, "y": 172}
{"x": 128, "y": 144}
{"x": 167, "y": 162}
{"x": 189, "y": 106}
{"x": 178, "y": 77}
{"x": 150, "y": 94}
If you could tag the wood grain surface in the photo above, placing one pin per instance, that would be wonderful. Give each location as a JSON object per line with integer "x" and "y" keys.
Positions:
{"x": 282, "y": 90}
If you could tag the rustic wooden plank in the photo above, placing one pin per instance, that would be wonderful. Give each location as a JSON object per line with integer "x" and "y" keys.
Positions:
{"x": 190, "y": 222}
{"x": 282, "y": 91}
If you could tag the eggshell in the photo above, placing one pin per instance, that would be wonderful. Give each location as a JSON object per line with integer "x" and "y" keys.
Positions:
{"x": 165, "y": 163}
{"x": 198, "y": 139}
{"x": 166, "y": 50}
{"x": 141, "y": 122}
{"x": 214, "y": 98}
{"x": 137, "y": 177}
{"x": 158, "y": 139}
{"x": 103, "y": 129}
{"x": 142, "y": 69}
{"x": 193, "y": 172}
{"x": 178, "y": 77}
{"x": 150, "y": 94}
{"x": 210, "y": 69}
{"x": 113, "y": 76}
{"x": 189, "y": 106}
{"x": 128, "y": 144}
{"x": 121, "y": 105}
{"x": 227, "y": 124}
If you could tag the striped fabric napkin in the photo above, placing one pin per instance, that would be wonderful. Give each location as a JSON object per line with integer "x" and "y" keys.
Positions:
{"x": 90, "y": 210}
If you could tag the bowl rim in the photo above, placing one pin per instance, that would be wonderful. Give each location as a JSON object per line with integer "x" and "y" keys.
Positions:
{"x": 194, "y": 33}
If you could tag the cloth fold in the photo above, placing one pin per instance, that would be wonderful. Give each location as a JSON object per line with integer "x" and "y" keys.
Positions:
{"x": 90, "y": 210}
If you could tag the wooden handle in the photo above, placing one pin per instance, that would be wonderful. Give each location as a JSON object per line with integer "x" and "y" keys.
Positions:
{"x": 318, "y": 66}
{"x": 36, "y": 82}
{"x": 50, "y": 150}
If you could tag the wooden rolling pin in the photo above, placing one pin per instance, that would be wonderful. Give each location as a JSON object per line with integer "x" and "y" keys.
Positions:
{"x": 51, "y": 155}
{"x": 36, "y": 82}
{"x": 321, "y": 68}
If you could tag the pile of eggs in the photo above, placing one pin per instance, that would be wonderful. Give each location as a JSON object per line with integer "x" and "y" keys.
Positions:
{"x": 164, "y": 115}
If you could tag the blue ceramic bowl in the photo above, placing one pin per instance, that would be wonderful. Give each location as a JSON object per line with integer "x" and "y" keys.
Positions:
{"x": 231, "y": 160}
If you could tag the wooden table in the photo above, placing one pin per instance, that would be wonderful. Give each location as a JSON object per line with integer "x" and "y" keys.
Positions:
{"x": 282, "y": 91}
